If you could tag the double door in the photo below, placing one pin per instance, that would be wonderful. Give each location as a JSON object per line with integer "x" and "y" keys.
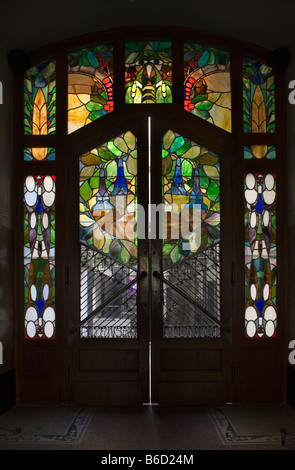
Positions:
{"x": 149, "y": 293}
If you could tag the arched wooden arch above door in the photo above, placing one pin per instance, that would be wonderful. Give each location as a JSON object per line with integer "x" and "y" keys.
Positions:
{"x": 155, "y": 116}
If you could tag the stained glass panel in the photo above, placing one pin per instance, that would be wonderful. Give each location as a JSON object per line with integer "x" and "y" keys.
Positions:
{"x": 108, "y": 238}
{"x": 148, "y": 72}
{"x": 90, "y": 85}
{"x": 260, "y": 255}
{"x": 40, "y": 99}
{"x": 191, "y": 193}
{"x": 39, "y": 154}
{"x": 258, "y": 97}
{"x": 108, "y": 198}
{"x": 39, "y": 256}
{"x": 259, "y": 151}
{"x": 207, "y": 84}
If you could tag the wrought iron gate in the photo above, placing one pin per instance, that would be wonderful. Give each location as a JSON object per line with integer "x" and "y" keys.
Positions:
{"x": 191, "y": 296}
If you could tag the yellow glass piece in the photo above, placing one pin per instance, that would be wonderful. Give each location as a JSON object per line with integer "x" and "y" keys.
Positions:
{"x": 258, "y": 111}
{"x": 77, "y": 114}
{"x": 39, "y": 153}
{"x": 39, "y": 114}
{"x": 259, "y": 151}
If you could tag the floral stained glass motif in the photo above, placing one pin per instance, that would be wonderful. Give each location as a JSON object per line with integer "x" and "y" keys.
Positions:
{"x": 148, "y": 72}
{"x": 260, "y": 255}
{"x": 108, "y": 198}
{"x": 39, "y": 154}
{"x": 39, "y": 256}
{"x": 191, "y": 193}
{"x": 258, "y": 97}
{"x": 259, "y": 151}
{"x": 40, "y": 99}
{"x": 207, "y": 84}
{"x": 90, "y": 85}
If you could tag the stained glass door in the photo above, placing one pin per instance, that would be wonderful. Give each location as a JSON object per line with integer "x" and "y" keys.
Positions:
{"x": 108, "y": 334}
{"x": 190, "y": 326}
{"x": 152, "y": 220}
{"x": 150, "y": 279}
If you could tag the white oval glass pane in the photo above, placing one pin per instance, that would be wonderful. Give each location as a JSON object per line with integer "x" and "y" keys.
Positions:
{"x": 269, "y": 329}
{"x": 49, "y": 314}
{"x": 253, "y": 219}
{"x": 251, "y": 313}
{"x": 30, "y": 183}
{"x": 31, "y": 329}
{"x": 48, "y": 198}
{"x": 45, "y": 292}
{"x": 269, "y": 196}
{"x": 45, "y": 221}
{"x": 33, "y": 220}
{"x": 31, "y": 198}
{"x": 253, "y": 291}
{"x": 251, "y": 329}
{"x": 269, "y": 181}
{"x": 48, "y": 183}
{"x": 49, "y": 329}
{"x": 250, "y": 181}
{"x": 33, "y": 293}
{"x": 270, "y": 313}
{"x": 266, "y": 292}
{"x": 251, "y": 195}
{"x": 31, "y": 314}
{"x": 266, "y": 218}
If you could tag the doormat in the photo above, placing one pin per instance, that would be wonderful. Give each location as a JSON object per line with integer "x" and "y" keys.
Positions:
{"x": 44, "y": 424}
{"x": 254, "y": 424}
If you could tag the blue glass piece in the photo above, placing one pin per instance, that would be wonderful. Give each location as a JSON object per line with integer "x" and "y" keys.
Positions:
{"x": 40, "y": 81}
{"x": 40, "y": 305}
{"x": 121, "y": 180}
{"x": 259, "y": 206}
{"x": 39, "y": 207}
{"x": 259, "y": 305}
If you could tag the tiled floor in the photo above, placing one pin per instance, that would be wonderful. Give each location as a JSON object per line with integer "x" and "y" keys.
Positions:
{"x": 148, "y": 428}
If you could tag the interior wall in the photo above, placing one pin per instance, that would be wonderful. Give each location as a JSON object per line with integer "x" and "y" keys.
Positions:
{"x": 31, "y": 25}
{"x": 291, "y": 200}
{"x": 6, "y": 261}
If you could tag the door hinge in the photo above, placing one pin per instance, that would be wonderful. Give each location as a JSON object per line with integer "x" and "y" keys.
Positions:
{"x": 233, "y": 374}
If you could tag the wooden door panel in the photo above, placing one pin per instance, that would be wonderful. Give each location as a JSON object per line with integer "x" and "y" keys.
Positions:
{"x": 193, "y": 393}
{"x": 107, "y": 393}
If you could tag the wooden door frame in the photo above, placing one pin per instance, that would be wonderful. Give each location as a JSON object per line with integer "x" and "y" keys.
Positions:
{"x": 42, "y": 365}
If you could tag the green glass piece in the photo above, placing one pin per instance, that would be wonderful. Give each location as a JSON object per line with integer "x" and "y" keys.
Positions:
{"x": 258, "y": 97}
{"x": 207, "y": 84}
{"x": 40, "y": 99}
{"x": 213, "y": 191}
{"x": 259, "y": 152}
{"x": 85, "y": 191}
{"x": 90, "y": 85}
{"x": 108, "y": 200}
{"x": 190, "y": 180}
{"x": 148, "y": 72}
